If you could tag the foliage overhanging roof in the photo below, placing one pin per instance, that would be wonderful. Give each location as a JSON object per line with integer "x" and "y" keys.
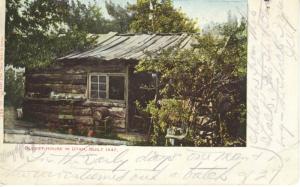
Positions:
{"x": 113, "y": 46}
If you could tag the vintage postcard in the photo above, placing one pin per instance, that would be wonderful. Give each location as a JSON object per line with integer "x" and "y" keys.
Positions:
{"x": 149, "y": 92}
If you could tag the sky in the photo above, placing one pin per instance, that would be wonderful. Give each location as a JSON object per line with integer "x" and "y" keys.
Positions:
{"x": 204, "y": 11}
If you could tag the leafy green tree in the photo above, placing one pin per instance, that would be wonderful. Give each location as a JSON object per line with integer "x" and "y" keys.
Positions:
{"x": 172, "y": 112}
{"x": 28, "y": 24}
{"x": 38, "y": 31}
{"x": 121, "y": 17}
{"x": 86, "y": 17}
{"x": 156, "y": 16}
{"x": 212, "y": 79}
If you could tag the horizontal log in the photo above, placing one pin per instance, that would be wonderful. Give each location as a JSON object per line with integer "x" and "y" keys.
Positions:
{"x": 96, "y": 69}
{"x": 59, "y": 109}
{"x": 104, "y": 104}
{"x": 79, "y": 108}
{"x": 83, "y": 112}
{"x": 47, "y": 117}
{"x": 56, "y": 106}
{"x": 40, "y": 116}
{"x": 116, "y": 109}
{"x": 58, "y": 88}
{"x": 55, "y": 102}
{"x": 74, "y": 79}
{"x": 116, "y": 106}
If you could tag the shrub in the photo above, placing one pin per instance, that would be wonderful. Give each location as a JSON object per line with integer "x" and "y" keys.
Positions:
{"x": 14, "y": 87}
{"x": 168, "y": 113}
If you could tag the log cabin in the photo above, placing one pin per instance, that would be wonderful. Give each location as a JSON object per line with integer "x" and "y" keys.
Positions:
{"x": 83, "y": 89}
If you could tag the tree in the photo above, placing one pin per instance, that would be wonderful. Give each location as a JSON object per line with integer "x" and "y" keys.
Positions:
{"x": 156, "y": 16}
{"x": 87, "y": 17}
{"x": 25, "y": 33}
{"x": 121, "y": 17}
{"x": 211, "y": 78}
{"x": 38, "y": 31}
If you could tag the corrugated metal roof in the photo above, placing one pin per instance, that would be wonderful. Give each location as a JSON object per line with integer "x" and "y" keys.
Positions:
{"x": 131, "y": 46}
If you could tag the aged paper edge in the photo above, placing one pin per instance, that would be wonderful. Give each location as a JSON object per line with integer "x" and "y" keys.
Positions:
{"x": 265, "y": 160}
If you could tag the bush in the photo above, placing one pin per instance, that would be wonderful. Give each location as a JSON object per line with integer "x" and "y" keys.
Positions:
{"x": 14, "y": 87}
{"x": 169, "y": 113}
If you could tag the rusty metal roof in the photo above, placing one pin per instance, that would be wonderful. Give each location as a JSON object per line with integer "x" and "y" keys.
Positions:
{"x": 131, "y": 46}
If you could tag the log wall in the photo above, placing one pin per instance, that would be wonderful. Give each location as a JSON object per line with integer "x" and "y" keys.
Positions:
{"x": 70, "y": 78}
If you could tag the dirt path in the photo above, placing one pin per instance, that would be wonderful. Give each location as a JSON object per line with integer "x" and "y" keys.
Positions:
{"x": 11, "y": 122}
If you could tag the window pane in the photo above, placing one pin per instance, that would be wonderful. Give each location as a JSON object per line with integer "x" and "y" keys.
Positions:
{"x": 102, "y": 79}
{"x": 94, "y": 79}
{"x": 94, "y": 86}
{"x": 98, "y": 86}
{"x": 116, "y": 87}
{"x": 102, "y": 87}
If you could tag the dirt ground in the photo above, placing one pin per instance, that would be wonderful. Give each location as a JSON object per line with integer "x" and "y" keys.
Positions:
{"x": 11, "y": 122}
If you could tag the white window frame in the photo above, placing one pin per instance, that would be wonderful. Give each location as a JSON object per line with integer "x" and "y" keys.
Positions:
{"x": 107, "y": 75}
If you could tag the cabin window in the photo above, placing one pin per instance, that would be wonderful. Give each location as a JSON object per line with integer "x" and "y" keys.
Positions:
{"x": 98, "y": 86}
{"x": 106, "y": 86}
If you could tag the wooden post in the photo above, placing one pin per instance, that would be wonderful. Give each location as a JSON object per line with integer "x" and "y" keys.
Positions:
{"x": 127, "y": 105}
